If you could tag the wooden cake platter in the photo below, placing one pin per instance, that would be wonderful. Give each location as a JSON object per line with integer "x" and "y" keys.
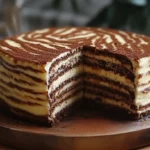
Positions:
{"x": 78, "y": 132}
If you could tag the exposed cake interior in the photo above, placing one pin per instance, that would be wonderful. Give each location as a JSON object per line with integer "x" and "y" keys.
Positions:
{"x": 89, "y": 73}
{"x": 65, "y": 81}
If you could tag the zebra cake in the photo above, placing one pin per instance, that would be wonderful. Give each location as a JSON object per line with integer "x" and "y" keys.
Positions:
{"x": 45, "y": 72}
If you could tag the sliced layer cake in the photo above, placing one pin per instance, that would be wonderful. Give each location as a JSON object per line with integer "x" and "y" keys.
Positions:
{"x": 44, "y": 72}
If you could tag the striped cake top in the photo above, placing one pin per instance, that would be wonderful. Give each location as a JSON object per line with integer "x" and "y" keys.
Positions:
{"x": 41, "y": 46}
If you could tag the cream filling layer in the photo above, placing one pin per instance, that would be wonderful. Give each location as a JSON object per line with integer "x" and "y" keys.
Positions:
{"x": 142, "y": 68}
{"x": 142, "y": 99}
{"x": 144, "y": 79}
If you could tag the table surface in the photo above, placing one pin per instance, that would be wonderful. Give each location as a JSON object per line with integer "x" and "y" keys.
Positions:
{"x": 2, "y": 147}
{"x": 104, "y": 126}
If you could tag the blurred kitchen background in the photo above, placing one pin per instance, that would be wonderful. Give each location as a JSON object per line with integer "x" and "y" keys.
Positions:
{"x": 17, "y": 16}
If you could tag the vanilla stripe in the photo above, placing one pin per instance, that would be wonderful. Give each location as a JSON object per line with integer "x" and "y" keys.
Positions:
{"x": 81, "y": 36}
{"x": 103, "y": 46}
{"x": 41, "y": 31}
{"x": 128, "y": 37}
{"x": 54, "y": 43}
{"x": 13, "y": 43}
{"x": 37, "y": 51}
{"x": 55, "y": 38}
{"x": 58, "y": 31}
{"x": 94, "y": 40}
{"x": 120, "y": 39}
{"x": 142, "y": 42}
{"x": 17, "y": 45}
{"x": 107, "y": 38}
{"x": 5, "y": 48}
{"x": 68, "y": 31}
{"x": 22, "y": 38}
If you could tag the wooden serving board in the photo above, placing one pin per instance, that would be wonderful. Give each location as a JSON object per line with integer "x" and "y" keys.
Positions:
{"x": 93, "y": 132}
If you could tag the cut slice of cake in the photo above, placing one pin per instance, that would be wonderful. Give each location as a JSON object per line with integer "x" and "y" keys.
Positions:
{"x": 44, "y": 72}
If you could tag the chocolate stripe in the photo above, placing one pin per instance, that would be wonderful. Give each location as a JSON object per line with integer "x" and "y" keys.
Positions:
{"x": 115, "y": 68}
{"x": 20, "y": 72}
{"x": 16, "y": 100}
{"x": 62, "y": 100}
{"x": 71, "y": 89}
{"x": 63, "y": 70}
{"x": 101, "y": 92}
{"x": 121, "y": 58}
{"x": 107, "y": 89}
{"x": 141, "y": 75}
{"x": 17, "y": 80}
{"x": 22, "y": 114}
{"x": 146, "y": 90}
{"x": 20, "y": 66}
{"x": 110, "y": 82}
{"x": 57, "y": 61}
{"x": 33, "y": 98}
{"x": 12, "y": 85}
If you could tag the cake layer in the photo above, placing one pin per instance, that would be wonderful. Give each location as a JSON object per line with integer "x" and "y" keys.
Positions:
{"x": 109, "y": 67}
{"x": 115, "y": 85}
{"x": 108, "y": 101}
{"x": 105, "y": 55}
{"x": 103, "y": 92}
